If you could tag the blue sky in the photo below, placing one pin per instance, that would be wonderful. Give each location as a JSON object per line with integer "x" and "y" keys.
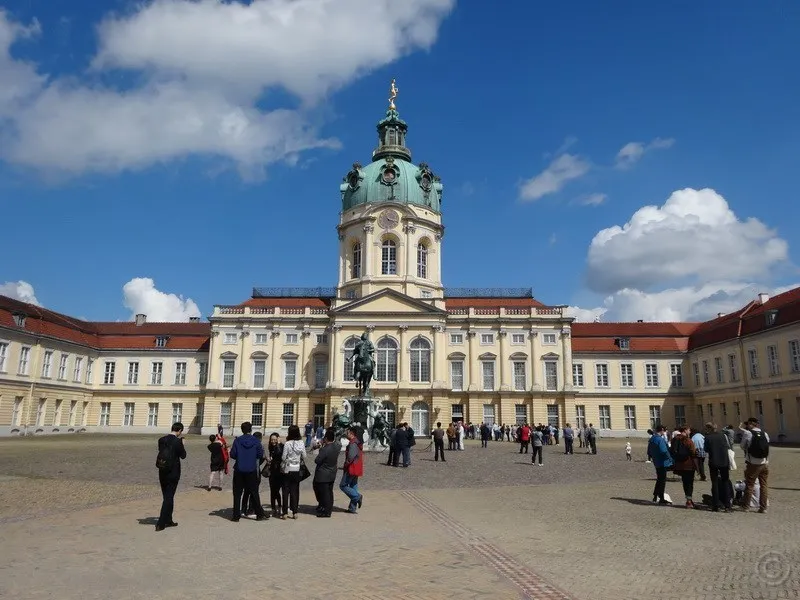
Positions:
{"x": 98, "y": 190}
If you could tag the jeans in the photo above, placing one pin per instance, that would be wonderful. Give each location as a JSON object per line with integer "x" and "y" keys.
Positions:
{"x": 568, "y": 445}
{"x": 169, "y": 486}
{"x": 349, "y": 485}
{"x": 537, "y": 450}
{"x": 720, "y": 487}
{"x": 687, "y": 478}
{"x": 406, "y": 456}
{"x": 439, "y": 444}
{"x": 661, "y": 483}
{"x": 291, "y": 491}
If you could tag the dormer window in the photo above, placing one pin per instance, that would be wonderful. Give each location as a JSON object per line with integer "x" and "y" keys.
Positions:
{"x": 19, "y": 319}
{"x": 624, "y": 343}
{"x": 771, "y": 316}
{"x": 391, "y": 138}
{"x": 161, "y": 341}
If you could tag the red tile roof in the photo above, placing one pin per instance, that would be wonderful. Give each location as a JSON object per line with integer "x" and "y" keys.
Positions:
{"x": 642, "y": 337}
{"x": 787, "y": 306}
{"x": 644, "y": 329}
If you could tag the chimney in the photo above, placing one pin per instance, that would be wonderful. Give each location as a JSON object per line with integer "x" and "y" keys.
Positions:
{"x": 763, "y": 298}
{"x": 194, "y": 319}
{"x": 141, "y": 319}
{"x": 720, "y": 315}
{"x": 640, "y": 320}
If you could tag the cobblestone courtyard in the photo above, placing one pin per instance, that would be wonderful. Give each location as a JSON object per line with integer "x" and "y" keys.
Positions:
{"x": 76, "y": 515}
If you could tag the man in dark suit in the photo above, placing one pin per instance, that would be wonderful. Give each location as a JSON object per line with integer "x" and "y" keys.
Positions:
{"x": 719, "y": 468}
{"x": 170, "y": 454}
{"x": 401, "y": 446}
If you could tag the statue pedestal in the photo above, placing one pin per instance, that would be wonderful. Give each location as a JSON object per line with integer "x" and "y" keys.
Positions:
{"x": 364, "y": 412}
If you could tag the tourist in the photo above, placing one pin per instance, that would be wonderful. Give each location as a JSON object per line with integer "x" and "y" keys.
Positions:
{"x": 461, "y": 433}
{"x": 650, "y": 434}
{"x": 170, "y": 454}
{"x": 586, "y": 439}
{"x": 325, "y": 474}
{"x": 451, "y": 437}
{"x": 401, "y": 446}
{"x": 700, "y": 460}
{"x": 217, "y": 463}
{"x": 569, "y": 439}
{"x": 730, "y": 433}
{"x": 438, "y": 442}
{"x": 274, "y": 458}
{"x": 628, "y": 452}
{"x": 248, "y": 502}
{"x": 508, "y": 433}
{"x": 755, "y": 444}
{"x": 485, "y": 433}
{"x": 247, "y": 451}
{"x": 524, "y": 438}
{"x": 683, "y": 455}
{"x": 658, "y": 450}
{"x": 591, "y": 437}
{"x": 412, "y": 441}
{"x": 309, "y": 432}
{"x": 226, "y": 455}
{"x": 392, "y": 460}
{"x": 537, "y": 441}
{"x": 294, "y": 451}
{"x": 716, "y": 450}
{"x": 580, "y": 436}
{"x": 554, "y": 432}
{"x": 353, "y": 469}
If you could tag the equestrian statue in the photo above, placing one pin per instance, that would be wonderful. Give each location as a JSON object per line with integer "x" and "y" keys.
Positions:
{"x": 363, "y": 365}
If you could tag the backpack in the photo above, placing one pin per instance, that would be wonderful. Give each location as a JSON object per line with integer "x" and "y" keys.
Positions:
{"x": 165, "y": 459}
{"x": 680, "y": 451}
{"x": 759, "y": 446}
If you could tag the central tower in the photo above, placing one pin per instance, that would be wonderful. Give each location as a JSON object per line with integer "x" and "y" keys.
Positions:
{"x": 390, "y": 228}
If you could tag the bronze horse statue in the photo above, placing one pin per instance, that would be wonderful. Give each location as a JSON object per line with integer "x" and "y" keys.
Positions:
{"x": 363, "y": 365}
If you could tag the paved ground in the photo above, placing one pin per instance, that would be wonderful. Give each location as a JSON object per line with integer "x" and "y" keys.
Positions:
{"x": 76, "y": 516}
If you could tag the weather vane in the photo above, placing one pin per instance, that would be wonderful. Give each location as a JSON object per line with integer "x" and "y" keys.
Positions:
{"x": 393, "y": 91}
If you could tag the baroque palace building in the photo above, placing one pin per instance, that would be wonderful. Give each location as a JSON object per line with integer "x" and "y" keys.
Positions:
{"x": 442, "y": 354}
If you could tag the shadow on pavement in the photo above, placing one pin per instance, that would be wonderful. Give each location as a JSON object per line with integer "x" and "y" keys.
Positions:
{"x": 148, "y": 521}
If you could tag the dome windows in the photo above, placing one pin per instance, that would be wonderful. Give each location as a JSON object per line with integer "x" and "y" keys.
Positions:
{"x": 355, "y": 264}
{"x": 388, "y": 257}
{"x": 422, "y": 260}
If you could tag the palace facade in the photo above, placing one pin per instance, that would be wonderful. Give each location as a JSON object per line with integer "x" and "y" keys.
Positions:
{"x": 442, "y": 354}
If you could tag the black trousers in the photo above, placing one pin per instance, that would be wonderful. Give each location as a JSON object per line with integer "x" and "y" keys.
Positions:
{"x": 392, "y": 460}
{"x": 246, "y": 483}
{"x": 593, "y": 445}
{"x": 248, "y": 502}
{"x": 536, "y": 450}
{"x": 700, "y": 463}
{"x": 568, "y": 445}
{"x": 169, "y": 485}
{"x": 687, "y": 478}
{"x": 291, "y": 491}
{"x": 324, "y": 494}
{"x": 439, "y": 449}
{"x": 661, "y": 483}
{"x": 275, "y": 489}
{"x": 523, "y": 446}
{"x": 484, "y": 442}
{"x": 720, "y": 487}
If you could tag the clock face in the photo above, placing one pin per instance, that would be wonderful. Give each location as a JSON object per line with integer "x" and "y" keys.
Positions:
{"x": 388, "y": 219}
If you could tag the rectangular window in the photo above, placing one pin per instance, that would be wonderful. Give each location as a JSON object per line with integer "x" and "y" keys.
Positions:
{"x": 780, "y": 416}
{"x": 152, "y": 414}
{"x": 24, "y": 360}
{"x": 260, "y": 339}
{"x": 62, "y": 367}
{"x": 41, "y": 410}
{"x": 487, "y": 338}
{"x": 322, "y": 339}
{"x": 288, "y": 414}
{"x": 720, "y": 371}
{"x": 577, "y": 375}
{"x": 710, "y": 411}
{"x": 228, "y": 371}
{"x": 319, "y": 416}
{"x": 700, "y": 412}
{"x": 520, "y": 376}
{"x": 520, "y": 414}
{"x": 180, "y": 373}
{"x": 626, "y": 375}
{"x": 488, "y": 375}
{"x": 696, "y": 370}
{"x": 105, "y": 413}
{"x": 759, "y": 409}
{"x": 457, "y": 412}
{"x": 518, "y": 339}
{"x": 77, "y": 372}
{"x": 110, "y": 370}
{"x": 752, "y": 358}
{"x": 488, "y": 414}
{"x": 320, "y": 372}
{"x": 580, "y": 416}
{"x": 291, "y": 338}
{"x": 202, "y": 377}
{"x": 85, "y": 414}
{"x": 156, "y": 372}
{"x": 549, "y": 339}
{"x": 230, "y": 338}
{"x": 457, "y": 375}
{"x": 605, "y": 416}
{"x": 257, "y": 414}
{"x": 601, "y": 375}
{"x": 16, "y": 413}
{"x": 706, "y": 380}
{"x": 724, "y": 408}
{"x": 289, "y": 374}
{"x": 47, "y": 363}
{"x": 161, "y": 341}
{"x": 651, "y": 374}
{"x": 127, "y": 416}
{"x": 551, "y": 375}
{"x": 177, "y": 412}
{"x": 630, "y": 416}
{"x": 89, "y": 370}
{"x": 456, "y": 338}
{"x": 774, "y": 364}
{"x": 680, "y": 415}
{"x": 3, "y": 356}
{"x": 624, "y": 343}
{"x": 225, "y": 414}
{"x": 655, "y": 416}
{"x": 133, "y": 373}
{"x": 72, "y": 406}
{"x": 733, "y": 368}
{"x": 676, "y": 375}
{"x": 552, "y": 415}
{"x": 794, "y": 353}
{"x": 389, "y": 258}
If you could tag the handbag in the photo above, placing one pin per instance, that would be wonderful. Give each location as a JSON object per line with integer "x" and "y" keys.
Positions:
{"x": 304, "y": 472}
{"x": 732, "y": 459}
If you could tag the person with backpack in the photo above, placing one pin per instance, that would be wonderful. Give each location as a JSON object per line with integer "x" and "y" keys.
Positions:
{"x": 755, "y": 444}
{"x": 683, "y": 455}
{"x": 168, "y": 461}
{"x": 658, "y": 451}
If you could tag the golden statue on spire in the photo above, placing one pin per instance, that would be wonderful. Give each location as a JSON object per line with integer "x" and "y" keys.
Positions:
{"x": 393, "y": 91}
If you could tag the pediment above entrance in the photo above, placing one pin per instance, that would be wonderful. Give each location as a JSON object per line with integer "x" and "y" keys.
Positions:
{"x": 388, "y": 302}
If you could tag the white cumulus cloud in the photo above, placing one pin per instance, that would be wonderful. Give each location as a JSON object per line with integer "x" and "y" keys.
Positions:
{"x": 141, "y": 296}
{"x": 558, "y": 173}
{"x": 19, "y": 290}
{"x": 202, "y": 67}
{"x": 632, "y": 152}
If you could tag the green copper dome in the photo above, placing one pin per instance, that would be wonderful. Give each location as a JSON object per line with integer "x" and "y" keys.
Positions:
{"x": 391, "y": 176}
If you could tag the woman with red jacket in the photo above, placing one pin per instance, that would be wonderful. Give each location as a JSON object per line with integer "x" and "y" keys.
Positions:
{"x": 683, "y": 453}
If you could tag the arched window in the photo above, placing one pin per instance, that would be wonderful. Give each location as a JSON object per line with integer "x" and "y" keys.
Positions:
{"x": 389, "y": 258}
{"x": 386, "y": 367}
{"x": 388, "y": 412}
{"x": 349, "y": 346}
{"x": 420, "y": 419}
{"x": 420, "y": 361}
{"x": 422, "y": 261}
{"x": 355, "y": 264}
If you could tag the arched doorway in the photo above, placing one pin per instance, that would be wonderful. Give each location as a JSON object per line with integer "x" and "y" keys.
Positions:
{"x": 420, "y": 419}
